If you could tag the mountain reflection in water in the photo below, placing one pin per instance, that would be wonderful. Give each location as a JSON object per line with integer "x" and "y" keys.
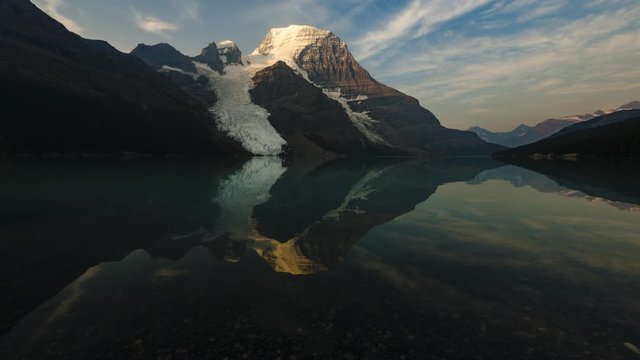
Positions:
{"x": 437, "y": 258}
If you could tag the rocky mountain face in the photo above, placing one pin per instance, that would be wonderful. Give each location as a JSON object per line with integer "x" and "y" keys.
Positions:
{"x": 210, "y": 56}
{"x": 612, "y": 135}
{"x": 181, "y": 68}
{"x": 525, "y": 134}
{"x": 387, "y": 116}
{"x": 309, "y": 120}
{"x": 301, "y": 91}
{"x": 62, "y": 93}
{"x": 230, "y": 53}
{"x": 163, "y": 55}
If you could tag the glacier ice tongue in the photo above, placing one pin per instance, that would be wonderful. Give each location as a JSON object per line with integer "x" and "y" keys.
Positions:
{"x": 237, "y": 115}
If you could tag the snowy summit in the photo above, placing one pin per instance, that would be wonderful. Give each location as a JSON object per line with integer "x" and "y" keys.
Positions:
{"x": 287, "y": 43}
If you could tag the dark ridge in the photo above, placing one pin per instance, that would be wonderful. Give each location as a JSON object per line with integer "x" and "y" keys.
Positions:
{"x": 62, "y": 93}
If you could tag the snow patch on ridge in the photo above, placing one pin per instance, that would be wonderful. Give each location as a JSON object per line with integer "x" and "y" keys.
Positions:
{"x": 362, "y": 121}
{"x": 167, "y": 68}
{"x": 237, "y": 115}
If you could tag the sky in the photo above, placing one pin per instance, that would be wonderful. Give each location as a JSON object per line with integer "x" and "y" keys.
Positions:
{"x": 493, "y": 63}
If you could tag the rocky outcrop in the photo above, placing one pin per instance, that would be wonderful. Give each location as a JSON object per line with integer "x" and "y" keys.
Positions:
{"x": 62, "y": 93}
{"x": 210, "y": 56}
{"x": 163, "y": 56}
{"x": 230, "y": 53}
{"x": 166, "y": 57}
{"x": 179, "y": 68}
{"x": 310, "y": 122}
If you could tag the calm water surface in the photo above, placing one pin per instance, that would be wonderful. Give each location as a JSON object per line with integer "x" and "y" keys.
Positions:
{"x": 379, "y": 259}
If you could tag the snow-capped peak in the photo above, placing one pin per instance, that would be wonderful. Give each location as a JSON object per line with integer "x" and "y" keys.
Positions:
{"x": 226, "y": 43}
{"x": 287, "y": 43}
{"x": 230, "y": 53}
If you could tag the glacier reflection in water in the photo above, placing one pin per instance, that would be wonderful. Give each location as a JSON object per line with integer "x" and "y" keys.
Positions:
{"x": 454, "y": 258}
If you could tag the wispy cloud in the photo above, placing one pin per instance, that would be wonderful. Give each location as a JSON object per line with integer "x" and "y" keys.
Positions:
{"x": 52, "y": 7}
{"x": 559, "y": 58}
{"x": 189, "y": 10}
{"x": 153, "y": 25}
{"x": 184, "y": 10}
{"x": 417, "y": 19}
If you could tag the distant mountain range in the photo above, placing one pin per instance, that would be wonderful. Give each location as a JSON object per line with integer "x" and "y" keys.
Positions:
{"x": 611, "y": 135}
{"x": 525, "y": 134}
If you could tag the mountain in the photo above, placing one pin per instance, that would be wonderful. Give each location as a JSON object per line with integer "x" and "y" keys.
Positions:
{"x": 612, "y": 135}
{"x": 525, "y": 134}
{"x": 633, "y": 105}
{"x": 210, "y": 56}
{"x": 181, "y": 68}
{"x": 63, "y": 93}
{"x": 296, "y": 105}
{"x": 164, "y": 56}
{"x": 351, "y": 114}
{"x": 230, "y": 53}
{"x": 607, "y": 119}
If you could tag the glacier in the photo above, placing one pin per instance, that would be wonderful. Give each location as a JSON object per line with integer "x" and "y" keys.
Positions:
{"x": 237, "y": 115}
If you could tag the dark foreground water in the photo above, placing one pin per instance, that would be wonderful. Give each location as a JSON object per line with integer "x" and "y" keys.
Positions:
{"x": 432, "y": 259}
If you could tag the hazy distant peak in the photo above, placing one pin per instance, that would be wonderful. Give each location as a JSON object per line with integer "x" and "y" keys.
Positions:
{"x": 634, "y": 105}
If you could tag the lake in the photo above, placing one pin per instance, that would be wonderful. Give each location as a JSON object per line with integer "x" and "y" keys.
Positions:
{"x": 350, "y": 259}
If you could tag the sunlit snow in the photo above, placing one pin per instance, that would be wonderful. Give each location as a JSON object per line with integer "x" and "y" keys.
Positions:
{"x": 286, "y": 44}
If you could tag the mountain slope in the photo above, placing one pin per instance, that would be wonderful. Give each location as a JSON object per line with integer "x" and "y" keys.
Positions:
{"x": 296, "y": 106}
{"x": 182, "y": 69}
{"x": 612, "y": 135}
{"x": 524, "y": 134}
{"x": 385, "y": 115}
{"x": 62, "y": 93}
{"x": 608, "y": 119}
{"x": 165, "y": 56}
